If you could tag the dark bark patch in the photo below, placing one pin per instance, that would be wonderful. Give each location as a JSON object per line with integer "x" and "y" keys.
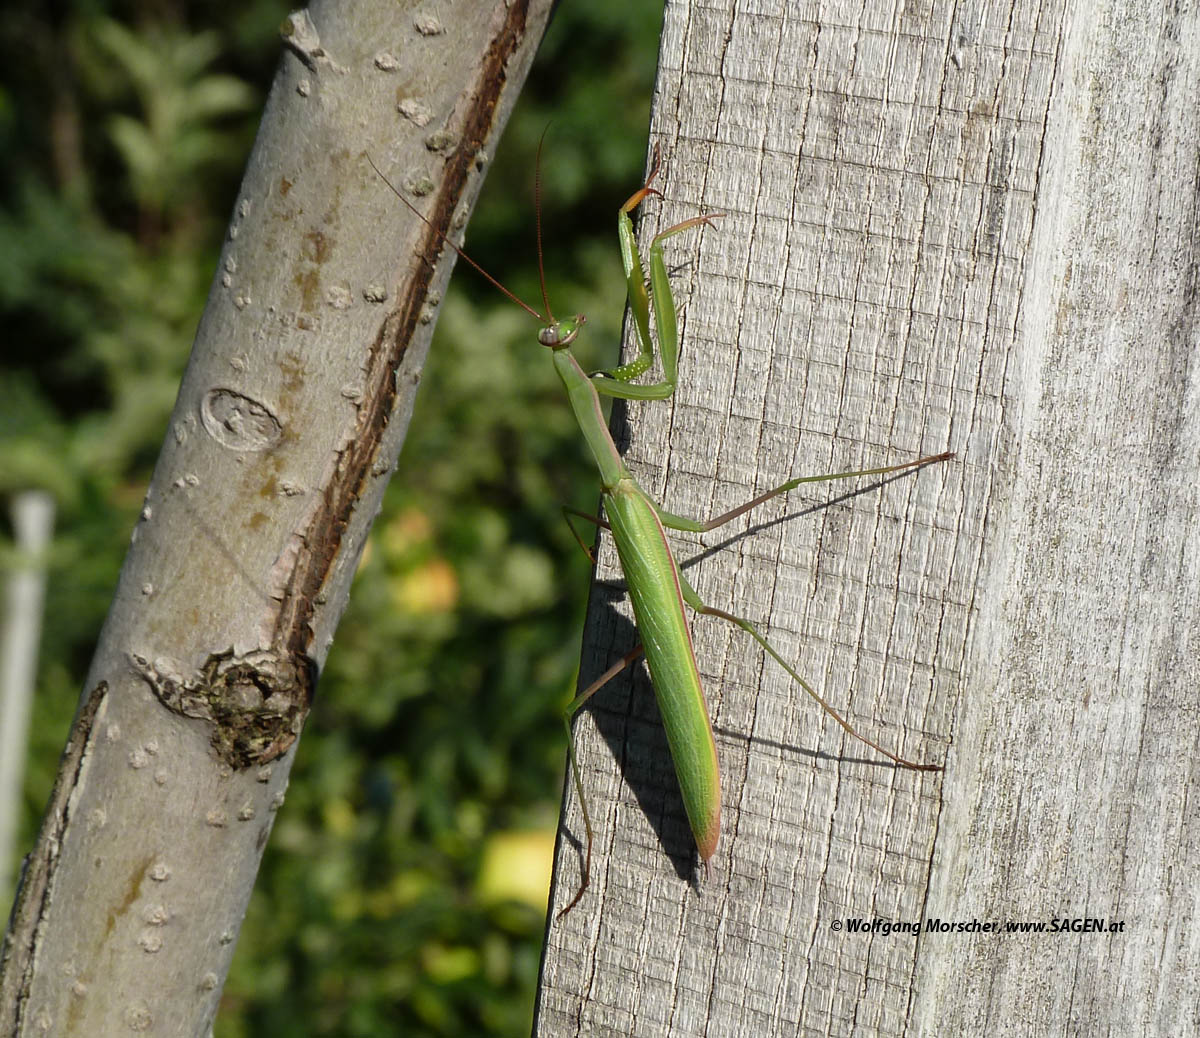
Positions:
{"x": 256, "y": 703}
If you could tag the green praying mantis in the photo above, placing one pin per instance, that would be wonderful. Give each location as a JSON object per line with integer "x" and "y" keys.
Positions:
{"x": 657, "y": 587}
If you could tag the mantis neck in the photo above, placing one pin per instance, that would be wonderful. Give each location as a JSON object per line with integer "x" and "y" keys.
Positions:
{"x": 585, "y": 402}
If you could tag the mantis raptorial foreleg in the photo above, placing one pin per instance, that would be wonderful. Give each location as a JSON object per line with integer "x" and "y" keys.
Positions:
{"x": 616, "y": 382}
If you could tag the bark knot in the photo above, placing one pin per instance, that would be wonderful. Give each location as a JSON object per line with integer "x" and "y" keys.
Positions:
{"x": 256, "y": 703}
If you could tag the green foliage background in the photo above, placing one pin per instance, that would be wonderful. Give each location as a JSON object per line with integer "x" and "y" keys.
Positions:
{"x": 394, "y": 897}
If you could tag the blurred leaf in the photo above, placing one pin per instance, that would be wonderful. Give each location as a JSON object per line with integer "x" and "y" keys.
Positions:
{"x": 516, "y": 867}
{"x": 173, "y": 138}
{"x": 137, "y": 148}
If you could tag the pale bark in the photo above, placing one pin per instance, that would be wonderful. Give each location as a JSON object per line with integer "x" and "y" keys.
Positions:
{"x": 946, "y": 230}
{"x": 289, "y": 419}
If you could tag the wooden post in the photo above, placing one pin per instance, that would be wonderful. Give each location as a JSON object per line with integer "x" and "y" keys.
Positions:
{"x": 944, "y": 233}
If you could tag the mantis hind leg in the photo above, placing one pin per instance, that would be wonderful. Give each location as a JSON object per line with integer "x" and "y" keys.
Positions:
{"x": 573, "y": 707}
{"x": 694, "y": 600}
{"x": 568, "y": 512}
{"x": 679, "y": 522}
{"x": 569, "y": 713}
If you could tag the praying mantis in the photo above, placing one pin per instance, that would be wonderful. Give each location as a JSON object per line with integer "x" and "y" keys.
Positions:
{"x": 657, "y": 588}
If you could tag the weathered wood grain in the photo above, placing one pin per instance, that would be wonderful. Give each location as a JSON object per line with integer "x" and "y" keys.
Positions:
{"x": 948, "y": 229}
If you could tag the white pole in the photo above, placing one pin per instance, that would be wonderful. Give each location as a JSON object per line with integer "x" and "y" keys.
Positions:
{"x": 33, "y": 522}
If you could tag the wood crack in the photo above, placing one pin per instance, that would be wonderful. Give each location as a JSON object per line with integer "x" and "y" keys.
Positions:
{"x": 36, "y": 880}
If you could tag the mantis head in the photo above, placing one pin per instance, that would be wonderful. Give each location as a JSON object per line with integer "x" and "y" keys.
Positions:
{"x": 558, "y": 335}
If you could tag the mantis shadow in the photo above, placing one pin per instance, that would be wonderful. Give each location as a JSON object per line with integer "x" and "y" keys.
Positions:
{"x": 626, "y": 715}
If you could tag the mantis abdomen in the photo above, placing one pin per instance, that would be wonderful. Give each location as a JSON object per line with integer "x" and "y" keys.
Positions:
{"x": 653, "y": 579}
